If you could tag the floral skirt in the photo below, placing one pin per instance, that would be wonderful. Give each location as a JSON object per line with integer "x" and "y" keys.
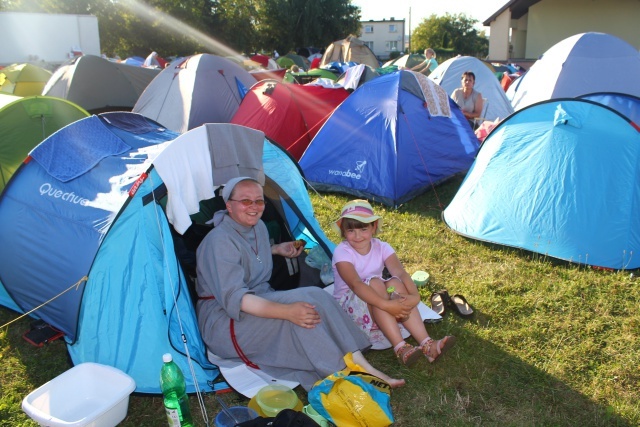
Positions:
{"x": 358, "y": 310}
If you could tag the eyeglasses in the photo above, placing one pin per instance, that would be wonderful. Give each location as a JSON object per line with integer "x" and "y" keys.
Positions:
{"x": 248, "y": 202}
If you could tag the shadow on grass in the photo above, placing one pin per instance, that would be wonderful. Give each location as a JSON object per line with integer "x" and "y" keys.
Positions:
{"x": 431, "y": 203}
{"x": 479, "y": 383}
{"x": 24, "y": 366}
{"x": 476, "y": 383}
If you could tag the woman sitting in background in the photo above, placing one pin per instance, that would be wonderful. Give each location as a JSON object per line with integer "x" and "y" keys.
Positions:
{"x": 427, "y": 66}
{"x": 468, "y": 99}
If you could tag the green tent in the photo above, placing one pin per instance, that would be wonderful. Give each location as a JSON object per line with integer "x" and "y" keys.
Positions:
{"x": 409, "y": 60}
{"x": 23, "y": 79}
{"x": 25, "y": 123}
{"x": 306, "y": 77}
{"x": 285, "y": 62}
{"x": 300, "y": 61}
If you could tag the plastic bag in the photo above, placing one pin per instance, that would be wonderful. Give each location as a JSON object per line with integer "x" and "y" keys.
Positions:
{"x": 352, "y": 397}
{"x": 317, "y": 258}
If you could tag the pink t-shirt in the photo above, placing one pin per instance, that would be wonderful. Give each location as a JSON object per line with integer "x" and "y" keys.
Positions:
{"x": 367, "y": 266}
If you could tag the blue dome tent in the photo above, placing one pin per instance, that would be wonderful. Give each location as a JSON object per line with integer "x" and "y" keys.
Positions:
{"x": 559, "y": 178}
{"x": 393, "y": 138}
{"x": 625, "y": 104}
{"x": 92, "y": 226}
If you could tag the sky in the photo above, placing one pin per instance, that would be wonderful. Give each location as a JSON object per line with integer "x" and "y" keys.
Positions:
{"x": 421, "y": 9}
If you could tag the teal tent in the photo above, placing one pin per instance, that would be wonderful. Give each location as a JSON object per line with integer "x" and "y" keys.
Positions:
{"x": 102, "y": 222}
{"x": 559, "y": 178}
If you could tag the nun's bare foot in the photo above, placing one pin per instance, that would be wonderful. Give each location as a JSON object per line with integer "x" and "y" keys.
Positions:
{"x": 395, "y": 383}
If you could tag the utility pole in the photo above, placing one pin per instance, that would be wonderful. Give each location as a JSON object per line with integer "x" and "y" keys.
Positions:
{"x": 409, "y": 50}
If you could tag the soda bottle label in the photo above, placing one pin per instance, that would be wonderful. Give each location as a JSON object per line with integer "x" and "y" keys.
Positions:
{"x": 173, "y": 416}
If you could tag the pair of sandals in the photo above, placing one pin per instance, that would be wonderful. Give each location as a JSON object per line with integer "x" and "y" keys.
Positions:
{"x": 408, "y": 355}
{"x": 441, "y": 301}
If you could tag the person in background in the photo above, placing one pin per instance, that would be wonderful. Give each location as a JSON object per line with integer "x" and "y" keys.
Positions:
{"x": 468, "y": 99}
{"x": 300, "y": 334}
{"x": 361, "y": 290}
{"x": 428, "y": 65}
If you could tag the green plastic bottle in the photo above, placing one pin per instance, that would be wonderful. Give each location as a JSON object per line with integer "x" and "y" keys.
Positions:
{"x": 391, "y": 290}
{"x": 174, "y": 391}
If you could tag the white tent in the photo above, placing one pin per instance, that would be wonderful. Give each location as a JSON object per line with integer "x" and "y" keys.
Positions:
{"x": 448, "y": 76}
{"x": 195, "y": 90}
{"x": 578, "y": 65}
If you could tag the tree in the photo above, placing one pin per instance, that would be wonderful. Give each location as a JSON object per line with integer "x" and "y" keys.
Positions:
{"x": 450, "y": 32}
{"x": 286, "y": 24}
{"x": 234, "y": 24}
{"x": 129, "y": 28}
{"x": 223, "y": 27}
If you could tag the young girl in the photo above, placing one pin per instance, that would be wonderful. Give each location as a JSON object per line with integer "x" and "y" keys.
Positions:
{"x": 358, "y": 262}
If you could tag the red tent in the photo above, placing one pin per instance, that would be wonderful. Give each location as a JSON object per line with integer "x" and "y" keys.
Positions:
{"x": 269, "y": 74}
{"x": 289, "y": 114}
{"x": 261, "y": 59}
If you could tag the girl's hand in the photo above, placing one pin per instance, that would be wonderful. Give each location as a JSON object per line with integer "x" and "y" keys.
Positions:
{"x": 411, "y": 300}
{"x": 399, "y": 308}
{"x": 286, "y": 249}
{"x": 303, "y": 314}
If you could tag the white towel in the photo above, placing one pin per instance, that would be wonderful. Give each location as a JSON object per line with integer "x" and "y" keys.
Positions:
{"x": 352, "y": 77}
{"x": 187, "y": 173}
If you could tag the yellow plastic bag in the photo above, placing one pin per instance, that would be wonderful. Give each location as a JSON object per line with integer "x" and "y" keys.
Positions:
{"x": 352, "y": 397}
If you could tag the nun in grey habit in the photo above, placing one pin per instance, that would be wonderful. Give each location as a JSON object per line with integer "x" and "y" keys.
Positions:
{"x": 300, "y": 334}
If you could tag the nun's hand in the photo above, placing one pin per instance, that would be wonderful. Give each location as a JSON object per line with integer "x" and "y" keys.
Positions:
{"x": 303, "y": 314}
{"x": 286, "y": 249}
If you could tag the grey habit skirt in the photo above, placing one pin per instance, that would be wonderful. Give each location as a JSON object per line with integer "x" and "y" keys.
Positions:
{"x": 285, "y": 350}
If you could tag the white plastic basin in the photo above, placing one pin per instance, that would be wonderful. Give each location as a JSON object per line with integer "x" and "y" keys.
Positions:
{"x": 88, "y": 395}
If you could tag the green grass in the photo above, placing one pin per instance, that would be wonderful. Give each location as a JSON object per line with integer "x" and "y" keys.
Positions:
{"x": 552, "y": 344}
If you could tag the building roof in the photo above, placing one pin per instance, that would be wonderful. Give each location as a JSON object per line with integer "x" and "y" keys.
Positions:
{"x": 518, "y": 9}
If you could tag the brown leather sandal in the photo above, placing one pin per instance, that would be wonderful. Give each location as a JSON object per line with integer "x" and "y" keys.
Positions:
{"x": 441, "y": 346}
{"x": 408, "y": 355}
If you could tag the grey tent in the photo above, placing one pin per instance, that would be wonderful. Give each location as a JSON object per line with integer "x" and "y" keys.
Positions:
{"x": 99, "y": 85}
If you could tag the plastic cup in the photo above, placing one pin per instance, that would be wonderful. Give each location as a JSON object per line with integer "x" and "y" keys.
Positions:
{"x": 420, "y": 278}
{"x": 315, "y": 416}
{"x": 241, "y": 413}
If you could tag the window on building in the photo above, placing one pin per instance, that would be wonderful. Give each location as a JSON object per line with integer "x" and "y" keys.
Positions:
{"x": 369, "y": 45}
{"x": 393, "y": 28}
{"x": 368, "y": 28}
{"x": 392, "y": 45}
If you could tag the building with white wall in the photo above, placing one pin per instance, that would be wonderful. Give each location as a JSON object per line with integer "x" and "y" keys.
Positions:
{"x": 525, "y": 29}
{"x": 46, "y": 37}
{"x": 383, "y": 37}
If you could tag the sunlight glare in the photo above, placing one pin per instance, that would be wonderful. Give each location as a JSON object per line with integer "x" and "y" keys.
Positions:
{"x": 171, "y": 24}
